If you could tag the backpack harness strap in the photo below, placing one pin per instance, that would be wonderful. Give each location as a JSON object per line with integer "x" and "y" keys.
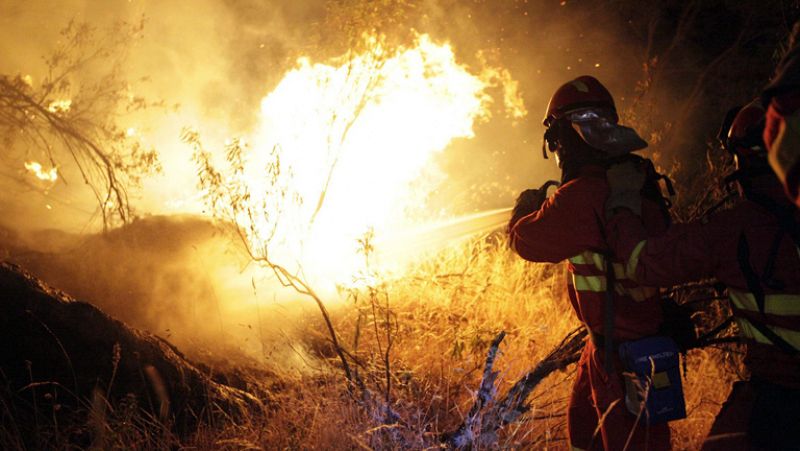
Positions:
{"x": 755, "y": 287}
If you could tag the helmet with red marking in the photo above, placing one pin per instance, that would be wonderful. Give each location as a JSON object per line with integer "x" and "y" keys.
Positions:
{"x": 580, "y": 93}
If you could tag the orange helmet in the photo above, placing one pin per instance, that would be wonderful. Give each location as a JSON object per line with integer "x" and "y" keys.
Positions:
{"x": 582, "y": 92}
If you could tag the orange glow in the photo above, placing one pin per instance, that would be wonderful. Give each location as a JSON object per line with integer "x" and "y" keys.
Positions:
{"x": 60, "y": 106}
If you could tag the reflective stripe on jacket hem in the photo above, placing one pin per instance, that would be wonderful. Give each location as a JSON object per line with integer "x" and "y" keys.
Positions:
{"x": 751, "y": 332}
{"x": 774, "y": 304}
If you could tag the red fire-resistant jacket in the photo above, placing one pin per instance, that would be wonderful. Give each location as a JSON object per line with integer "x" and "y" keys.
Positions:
{"x": 699, "y": 250}
{"x": 782, "y": 130}
{"x": 782, "y": 134}
{"x": 570, "y": 226}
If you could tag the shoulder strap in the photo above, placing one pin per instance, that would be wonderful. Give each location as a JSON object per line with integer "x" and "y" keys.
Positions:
{"x": 651, "y": 190}
{"x": 754, "y": 285}
{"x": 788, "y": 225}
{"x": 776, "y": 339}
{"x": 767, "y": 277}
{"x": 784, "y": 215}
{"x": 750, "y": 276}
{"x": 608, "y": 308}
{"x": 608, "y": 317}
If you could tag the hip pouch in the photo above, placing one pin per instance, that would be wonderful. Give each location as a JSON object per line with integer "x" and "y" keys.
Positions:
{"x": 653, "y": 386}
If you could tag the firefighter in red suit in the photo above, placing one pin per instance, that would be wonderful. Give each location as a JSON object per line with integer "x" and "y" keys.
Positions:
{"x": 583, "y": 132}
{"x": 752, "y": 248}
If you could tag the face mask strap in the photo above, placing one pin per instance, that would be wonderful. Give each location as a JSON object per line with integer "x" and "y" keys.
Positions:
{"x": 551, "y": 138}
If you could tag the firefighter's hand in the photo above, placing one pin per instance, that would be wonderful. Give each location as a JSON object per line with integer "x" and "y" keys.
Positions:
{"x": 529, "y": 201}
{"x": 625, "y": 182}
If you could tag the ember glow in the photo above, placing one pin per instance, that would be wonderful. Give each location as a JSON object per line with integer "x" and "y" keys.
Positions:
{"x": 60, "y": 106}
{"x": 356, "y": 142}
{"x": 35, "y": 168}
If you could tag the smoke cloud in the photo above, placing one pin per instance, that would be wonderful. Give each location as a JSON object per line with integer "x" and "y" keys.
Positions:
{"x": 211, "y": 62}
{"x": 180, "y": 277}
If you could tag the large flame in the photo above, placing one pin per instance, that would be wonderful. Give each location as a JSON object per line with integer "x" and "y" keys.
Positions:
{"x": 356, "y": 142}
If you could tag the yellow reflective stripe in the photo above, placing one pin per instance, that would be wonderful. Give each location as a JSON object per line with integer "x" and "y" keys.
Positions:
{"x": 748, "y": 330}
{"x": 588, "y": 258}
{"x": 619, "y": 271}
{"x": 633, "y": 260}
{"x": 775, "y": 304}
{"x": 579, "y": 259}
{"x": 597, "y": 284}
{"x": 593, "y": 258}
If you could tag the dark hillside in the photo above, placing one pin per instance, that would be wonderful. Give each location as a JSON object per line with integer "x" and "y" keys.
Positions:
{"x": 66, "y": 364}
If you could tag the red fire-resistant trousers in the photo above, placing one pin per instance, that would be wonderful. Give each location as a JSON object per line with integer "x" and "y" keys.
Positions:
{"x": 582, "y": 416}
{"x": 595, "y": 395}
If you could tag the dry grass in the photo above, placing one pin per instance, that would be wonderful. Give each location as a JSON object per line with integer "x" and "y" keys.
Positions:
{"x": 439, "y": 318}
{"x": 448, "y": 309}
{"x": 445, "y": 312}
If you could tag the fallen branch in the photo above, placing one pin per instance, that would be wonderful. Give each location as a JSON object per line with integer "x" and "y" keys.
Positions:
{"x": 465, "y": 435}
{"x": 513, "y": 405}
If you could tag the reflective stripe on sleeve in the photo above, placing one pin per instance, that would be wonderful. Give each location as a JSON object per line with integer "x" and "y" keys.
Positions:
{"x": 588, "y": 258}
{"x": 594, "y": 284}
{"x": 593, "y": 258}
{"x": 597, "y": 284}
{"x": 774, "y": 304}
{"x": 633, "y": 260}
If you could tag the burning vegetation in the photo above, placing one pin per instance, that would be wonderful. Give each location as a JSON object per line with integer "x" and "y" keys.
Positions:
{"x": 285, "y": 221}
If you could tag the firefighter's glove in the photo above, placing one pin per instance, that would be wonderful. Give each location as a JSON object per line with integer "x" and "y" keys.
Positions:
{"x": 529, "y": 201}
{"x": 625, "y": 181}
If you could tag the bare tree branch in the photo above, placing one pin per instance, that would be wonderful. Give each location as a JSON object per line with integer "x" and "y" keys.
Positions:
{"x": 73, "y": 122}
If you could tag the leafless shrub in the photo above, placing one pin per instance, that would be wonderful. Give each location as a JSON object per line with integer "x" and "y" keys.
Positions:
{"x": 71, "y": 116}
